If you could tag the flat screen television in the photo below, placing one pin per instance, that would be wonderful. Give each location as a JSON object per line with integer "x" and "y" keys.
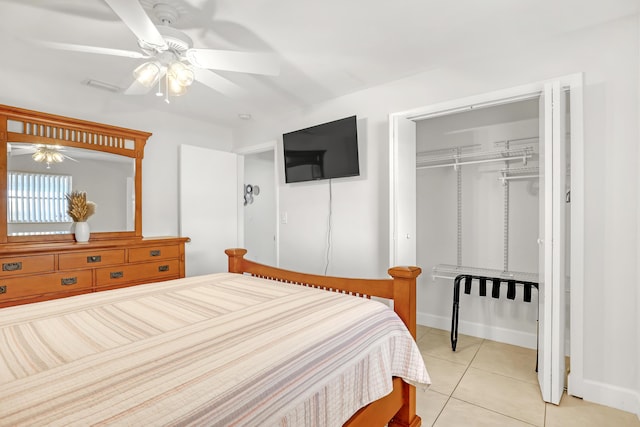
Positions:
{"x": 325, "y": 151}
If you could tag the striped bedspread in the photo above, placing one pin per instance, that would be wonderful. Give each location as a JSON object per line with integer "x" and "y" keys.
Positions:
{"x": 222, "y": 349}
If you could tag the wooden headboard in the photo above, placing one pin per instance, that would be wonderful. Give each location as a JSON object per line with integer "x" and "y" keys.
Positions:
{"x": 401, "y": 288}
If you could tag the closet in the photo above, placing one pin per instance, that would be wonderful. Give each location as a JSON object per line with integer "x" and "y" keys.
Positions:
{"x": 477, "y": 213}
{"x": 480, "y": 186}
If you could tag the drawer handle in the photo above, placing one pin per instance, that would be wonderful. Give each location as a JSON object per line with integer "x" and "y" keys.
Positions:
{"x": 12, "y": 266}
{"x": 116, "y": 274}
{"x": 94, "y": 258}
{"x": 66, "y": 281}
{"x": 155, "y": 252}
{"x": 163, "y": 268}
{"x": 3, "y": 289}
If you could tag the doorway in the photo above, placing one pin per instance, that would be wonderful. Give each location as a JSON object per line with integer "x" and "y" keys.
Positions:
{"x": 403, "y": 231}
{"x": 259, "y": 205}
{"x": 212, "y": 211}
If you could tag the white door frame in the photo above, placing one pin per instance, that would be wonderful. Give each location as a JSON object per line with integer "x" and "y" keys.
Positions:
{"x": 254, "y": 149}
{"x": 575, "y": 84}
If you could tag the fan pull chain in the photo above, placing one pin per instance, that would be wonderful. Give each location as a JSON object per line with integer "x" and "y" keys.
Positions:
{"x": 166, "y": 87}
{"x": 159, "y": 92}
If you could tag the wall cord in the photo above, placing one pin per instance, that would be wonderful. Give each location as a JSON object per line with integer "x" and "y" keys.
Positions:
{"x": 326, "y": 267}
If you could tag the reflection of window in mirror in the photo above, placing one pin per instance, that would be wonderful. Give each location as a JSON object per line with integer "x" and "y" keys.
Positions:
{"x": 108, "y": 180}
{"x": 36, "y": 203}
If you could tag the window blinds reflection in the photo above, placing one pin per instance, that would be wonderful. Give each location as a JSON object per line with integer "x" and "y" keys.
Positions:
{"x": 37, "y": 198}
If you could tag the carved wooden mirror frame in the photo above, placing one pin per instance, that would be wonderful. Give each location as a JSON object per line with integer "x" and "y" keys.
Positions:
{"x": 49, "y": 129}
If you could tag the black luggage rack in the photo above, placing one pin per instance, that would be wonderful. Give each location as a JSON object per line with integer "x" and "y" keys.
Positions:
{"x": 496, "y": 283}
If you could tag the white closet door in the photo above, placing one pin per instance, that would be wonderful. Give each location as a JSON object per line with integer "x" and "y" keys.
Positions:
{"x": 403, "y": 193}
{"x": 209, "y": 198}
{"x": 551, "y": 243}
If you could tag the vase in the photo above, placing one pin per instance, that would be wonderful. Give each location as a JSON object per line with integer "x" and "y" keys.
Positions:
{"x": 82, "y": 232}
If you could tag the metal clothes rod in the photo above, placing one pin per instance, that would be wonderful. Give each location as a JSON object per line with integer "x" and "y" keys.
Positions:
{"x": 455, "y": 165}
{"x": 459, "y": 157}
{"x": 468, "y": 152}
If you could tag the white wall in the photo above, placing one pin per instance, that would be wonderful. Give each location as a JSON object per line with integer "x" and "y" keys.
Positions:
{"x": 609, "y": 57}
{"x": 160, "y": 164}
{"x": 160, "y": 169}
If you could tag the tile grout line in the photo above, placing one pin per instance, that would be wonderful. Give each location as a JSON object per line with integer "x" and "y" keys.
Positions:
{"x": 496, "y": 412}
{"x": 494, "y": 373}
{"x": 458, "y": 383}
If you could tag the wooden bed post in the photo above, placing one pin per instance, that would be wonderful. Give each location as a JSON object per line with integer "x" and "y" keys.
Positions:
{"x": 404, "y": 294}
{"x": 404, "y": 303}
{"x": 236, "y": 258}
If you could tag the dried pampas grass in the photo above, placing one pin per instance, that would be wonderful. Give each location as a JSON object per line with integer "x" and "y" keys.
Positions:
{"x": 79, "y": 209}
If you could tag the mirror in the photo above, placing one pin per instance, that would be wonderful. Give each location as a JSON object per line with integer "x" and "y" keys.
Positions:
{"x": 107, "y": 178}
{"x": 102, "y": 160}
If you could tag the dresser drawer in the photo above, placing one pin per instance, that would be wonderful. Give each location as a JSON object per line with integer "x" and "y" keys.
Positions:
{"x": 146, "y": 272}
{"x": 90, "y": 259}
{"x": 26, "y": 265}
{"x": 17, "y": 287}
{"x": 153, "y": 253}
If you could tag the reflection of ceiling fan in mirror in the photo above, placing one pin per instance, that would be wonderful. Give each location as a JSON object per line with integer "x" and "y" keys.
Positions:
{"x": 40, "y": 153}
{"x": 172, "y": 64}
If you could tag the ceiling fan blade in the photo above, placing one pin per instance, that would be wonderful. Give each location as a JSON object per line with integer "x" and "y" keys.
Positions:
{"x": 228, "y": 60}
{"x": 12, "y": 151}
{"x": 91, "y": 49}
{"x": 70, "y": 158}
{"x": 218, "y": 83}
{"x": 93, "y": 10}
{"x": 134, "y": 16}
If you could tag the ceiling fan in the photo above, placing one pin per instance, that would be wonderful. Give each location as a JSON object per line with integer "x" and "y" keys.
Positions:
{"x": 171, "y": 60}
{"x": 41, "y": 153}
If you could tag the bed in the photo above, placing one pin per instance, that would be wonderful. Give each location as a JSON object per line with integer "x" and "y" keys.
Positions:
{"x": 246, "y": 347}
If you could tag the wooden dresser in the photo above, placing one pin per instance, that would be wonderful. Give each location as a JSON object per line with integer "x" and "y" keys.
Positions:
{"x": 42, "y": 271}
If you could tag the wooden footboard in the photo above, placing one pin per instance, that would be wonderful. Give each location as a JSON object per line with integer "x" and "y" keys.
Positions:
{"x": 399, "y": 407}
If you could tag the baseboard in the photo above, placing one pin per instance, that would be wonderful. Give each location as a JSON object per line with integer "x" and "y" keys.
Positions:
{"x": 507, "y": 336}
{"x": 613, "y": 396}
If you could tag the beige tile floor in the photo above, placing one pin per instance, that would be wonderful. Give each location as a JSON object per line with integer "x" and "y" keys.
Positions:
{"x": 486, "y": 383}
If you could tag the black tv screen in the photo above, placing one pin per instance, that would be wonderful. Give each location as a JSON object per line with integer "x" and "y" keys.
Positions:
{"x": 328, "y": 150}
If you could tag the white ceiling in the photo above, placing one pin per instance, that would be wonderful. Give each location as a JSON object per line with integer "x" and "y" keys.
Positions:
{"x": 327, "y": 48}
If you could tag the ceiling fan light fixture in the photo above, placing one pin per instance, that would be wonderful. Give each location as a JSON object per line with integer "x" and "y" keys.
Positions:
{"x": 48, "y": 154}
{"x": 147, "y": 74}
{"x": 175, "y": 88}
{"x": 182, "y": 73}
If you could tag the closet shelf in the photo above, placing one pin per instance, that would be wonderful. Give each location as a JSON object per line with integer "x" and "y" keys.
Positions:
{"x": 455, "y": 158}
{"x": 519, "y": 173}
{"x": 446, "y": 271}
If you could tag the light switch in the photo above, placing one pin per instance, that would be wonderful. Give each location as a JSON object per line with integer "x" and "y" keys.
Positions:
{"x": 283, "y": 218}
